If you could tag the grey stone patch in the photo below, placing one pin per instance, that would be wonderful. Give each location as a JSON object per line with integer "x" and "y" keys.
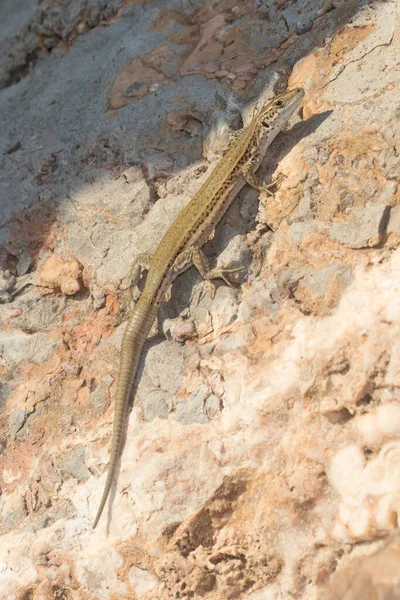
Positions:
{"x": 358, "y": 79}
{"x": 208, "y": 349}
{"x": 5, "y": 392}
{"x": 179, "y": 329}
{"x": 224, "y": 308}
{"x": 78, "y": 238}
{"x": 97, "y": 190}
{"x": 298, "y": 15}
{"x": 362, "y": 229}
{"x": 41, "y": 394}
{"x": 5, "y": 235}
{"x": 303, "y": 177}
{"x": 192, "y": 410}
{"x": 39, "y": 312}
{"x": 67, "y": 423}
{"x": 229, "y": 244}
{"x": 320, "y": 279}
{"x": 249, "y": 204}
{"x": 255, "y": 30}
{"x": 65, "y": 125}
{"x": 263, "y": 86}
{"x": 389, "y": 159}
{"x": 159, "y": 164}
{"x": 108, "y": 380}
{"x": 323, "y": 154}
{"x": 65, "y": 20}
{"x": 16, "y": 15}
{"x": 71, "y": 368}
{"x": 239, "y": 340}
{"x": 13, "y": 514}
{"x": 20, "y": 190}
{"x": 99, "y": 398}
{"x": 264, "y": 243}
{"x": 98, "y": 297}
{"x": 24, "y": 20}
{"x": 292, "y": 17}
{"x": 73, "y": 321}
{"x": 305, "y": 209}
{"x": 287, "y": 281}
{"x": 299, "y": 229}
{"x": 394, "y": 221}
{"x": 389, "y": 193}
{"x": 236, "y": 254}
{"x": 52, "y": 516}
{"x": 140, "y": 191}
{"x": 125, "y": 245}
{"x": 157, "y": 403}
{"x": 22, "y": 285}
{"x": 38, "y": 553}
{"x": 99, "y": 149}
{"x": 164, "y": 362}
{"x": 190, "y": 6}
{"x": 115, "y": 338}
{"x": 303, "y": 26}
{"x": 186, "y": 290}
{"x": 74, "y": 464}
{"x": 50, "y": 194}
{"x": 216, "y": 135}
{"x": 43, "y": 257}
{"x": 17, "y": 346}
{"x": 16, "y": 421}
{"x": 347, "y": 200}
{"x": 24, "y": 262}
{"x": 41, "y": 523}
{"x": 263, "y": 296}
{"x": 7, "y": 284}
{"x": 185, "y": 183}
{"x": 212, "y": 406}
{"x": 200, "y": 313}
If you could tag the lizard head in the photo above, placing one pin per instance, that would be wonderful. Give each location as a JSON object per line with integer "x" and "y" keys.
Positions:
{"x": 276, "y": 113}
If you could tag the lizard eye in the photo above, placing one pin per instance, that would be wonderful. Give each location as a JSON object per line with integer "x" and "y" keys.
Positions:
{"x": 279, "y": 103}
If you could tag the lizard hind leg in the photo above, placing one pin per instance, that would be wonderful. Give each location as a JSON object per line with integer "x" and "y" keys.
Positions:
{"x": 201, "y": 263}
{"x": 195, "y": 255}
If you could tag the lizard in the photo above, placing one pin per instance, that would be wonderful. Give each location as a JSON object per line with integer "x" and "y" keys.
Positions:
{"x": 180, "y": 247}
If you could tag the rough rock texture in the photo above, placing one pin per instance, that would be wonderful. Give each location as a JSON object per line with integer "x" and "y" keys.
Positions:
{"x": 371, "y": 578}
{"x": 262, "y": 454}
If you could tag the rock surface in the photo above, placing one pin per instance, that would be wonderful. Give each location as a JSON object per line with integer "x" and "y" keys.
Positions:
{"x": 262, "y": 454}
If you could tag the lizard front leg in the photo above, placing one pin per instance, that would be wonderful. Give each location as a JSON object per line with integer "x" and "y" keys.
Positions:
{"x": 251, "y": 178}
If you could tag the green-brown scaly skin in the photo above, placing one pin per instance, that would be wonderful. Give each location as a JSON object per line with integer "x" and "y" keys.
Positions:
{"x": 180, "y": 246}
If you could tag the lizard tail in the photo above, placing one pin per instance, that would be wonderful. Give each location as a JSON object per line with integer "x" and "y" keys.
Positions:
{"x": 136, "y": 332}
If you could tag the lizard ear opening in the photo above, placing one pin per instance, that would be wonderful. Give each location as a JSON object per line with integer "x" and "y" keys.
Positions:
{"x": 266, "y": 124}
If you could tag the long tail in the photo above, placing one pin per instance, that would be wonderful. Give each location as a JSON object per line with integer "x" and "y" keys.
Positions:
{"x": 136, "y": 332}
